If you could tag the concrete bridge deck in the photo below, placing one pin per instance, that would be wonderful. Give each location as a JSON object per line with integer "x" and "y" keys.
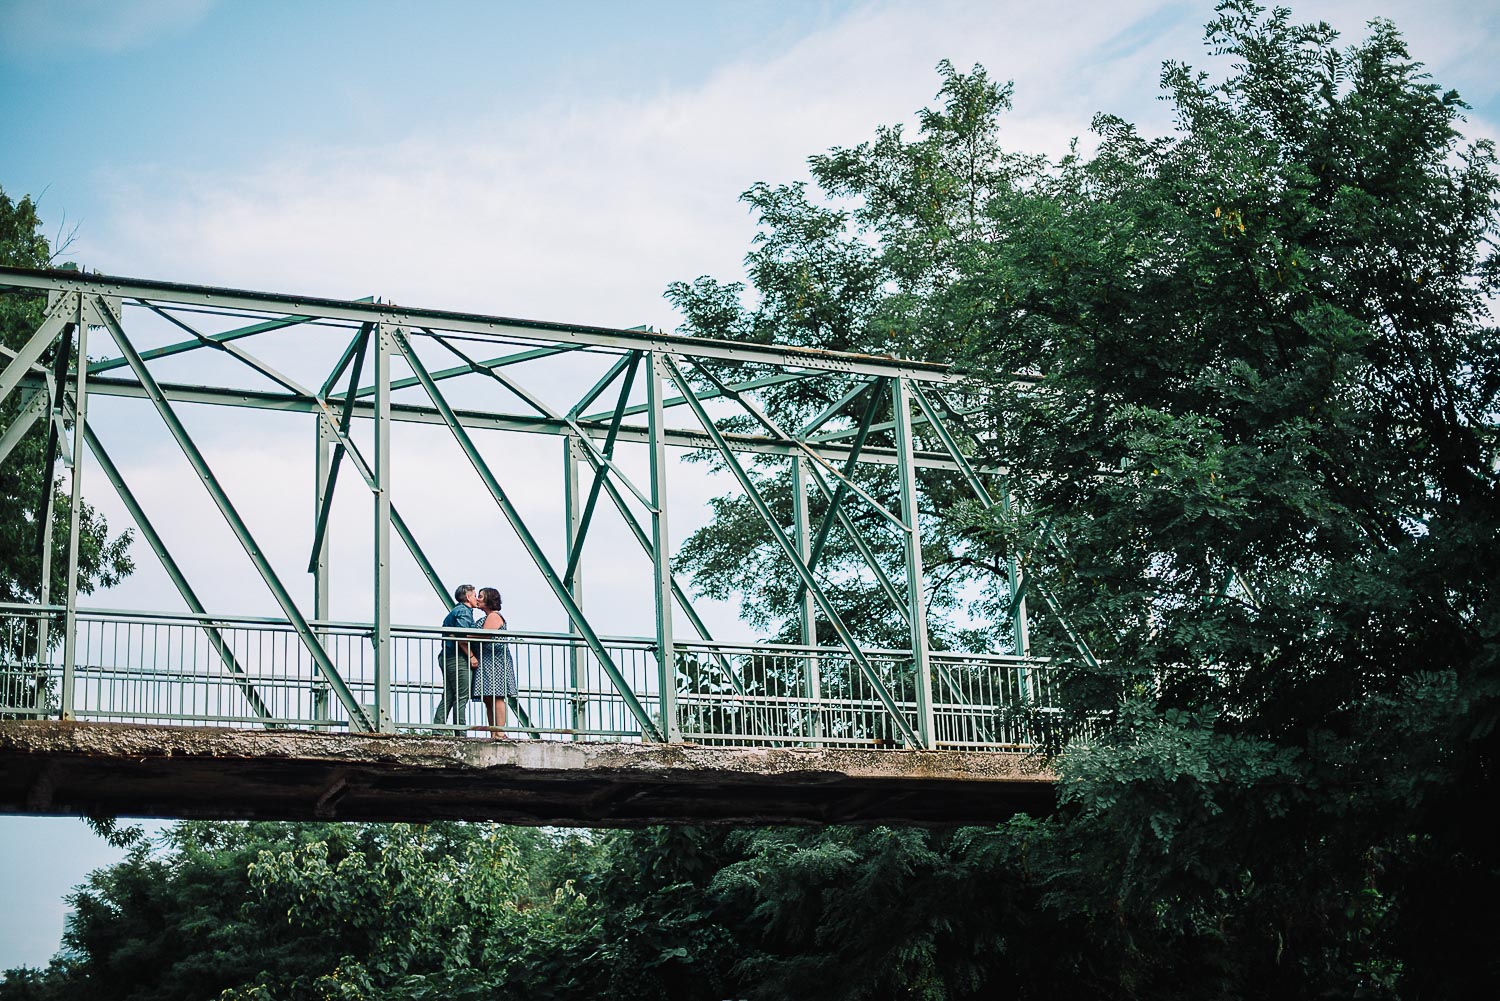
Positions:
{"x": 128, "y": 770}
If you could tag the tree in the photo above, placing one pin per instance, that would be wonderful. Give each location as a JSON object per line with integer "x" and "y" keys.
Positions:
{"x": 1266, "y": 362}
{"x": 397, "y": 911}
{"x": 276, "y": 910}
{"x": 1256, "y": 467}
{"x": 867, "y": 268}
{"x": 662, "y": 932}
{"x": 102, "y": 561}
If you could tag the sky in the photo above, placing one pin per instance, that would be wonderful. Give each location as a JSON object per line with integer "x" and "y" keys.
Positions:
{"x": 559, "y": 161}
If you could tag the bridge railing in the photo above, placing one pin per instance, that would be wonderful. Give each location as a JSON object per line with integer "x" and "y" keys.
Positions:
{"x": 781, "y": 694}
{"x": 251, "y": 671}
{"x": 29, "y": 680}
{"x": 989, "y": 701}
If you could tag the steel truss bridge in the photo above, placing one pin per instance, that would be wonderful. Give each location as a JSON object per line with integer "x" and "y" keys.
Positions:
{"x": 301, "y": 670}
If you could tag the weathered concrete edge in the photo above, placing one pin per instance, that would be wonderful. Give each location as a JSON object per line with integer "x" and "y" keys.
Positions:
{"x": 684, "y": 762}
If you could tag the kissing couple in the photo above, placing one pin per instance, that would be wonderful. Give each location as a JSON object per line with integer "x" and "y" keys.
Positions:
{"x": 473, "y": 667}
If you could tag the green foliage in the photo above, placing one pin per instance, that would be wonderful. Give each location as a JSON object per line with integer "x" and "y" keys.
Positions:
{"x": 1263, "y": 349}
{"x": 864, "y": 269}
{"x": 662, "y": 934}
{"x": 1255, "y": 457}
{"x": 272, "y": 910}
{"x": 102, "y": 561}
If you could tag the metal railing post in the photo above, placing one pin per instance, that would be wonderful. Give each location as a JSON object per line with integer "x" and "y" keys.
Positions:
{"x": 381, "y": 636}
{"x": 916, "y": 597}
{"x": 661, "y": 547}
{"x": 1019, "y": 626}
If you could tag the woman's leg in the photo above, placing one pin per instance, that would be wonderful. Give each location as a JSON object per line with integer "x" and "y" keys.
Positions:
{"x": 496, "y": 709}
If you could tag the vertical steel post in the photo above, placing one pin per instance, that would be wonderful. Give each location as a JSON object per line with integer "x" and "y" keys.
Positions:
{"x": 326, "y": 439}
{"x": 572, "y": 518}
{"x": 57, "y": 409}
{"x": 917, "y": 600}
{"x": 661, "y": 546}
{"x": 80, "y": 421}
{"x": 801, "y": 532}
{"x": 1020, "y": 628}
{"x": 807, "y": 607}
{"x": 381, "y": 636}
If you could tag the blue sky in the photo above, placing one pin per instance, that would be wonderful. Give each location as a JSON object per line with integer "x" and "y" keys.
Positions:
{"x": 563, "y": 161}
{"x": 207, "y": 87}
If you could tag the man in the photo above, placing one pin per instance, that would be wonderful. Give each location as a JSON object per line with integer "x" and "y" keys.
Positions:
{"x": 457, "y": 659}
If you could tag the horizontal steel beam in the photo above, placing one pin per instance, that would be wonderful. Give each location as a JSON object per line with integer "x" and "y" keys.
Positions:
{"x": 110, "y": 364}
{"x": 487, "y": 421}
{"x": 709, "y": 394}
{"x": 481, "y": 325}
{"x": 473, "y": 366}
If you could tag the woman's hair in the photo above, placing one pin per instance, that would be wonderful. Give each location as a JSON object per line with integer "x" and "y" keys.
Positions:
{"x": 489, "y": 599}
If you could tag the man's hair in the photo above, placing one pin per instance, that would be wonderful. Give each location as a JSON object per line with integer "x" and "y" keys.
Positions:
{"x": 462, "y": 592}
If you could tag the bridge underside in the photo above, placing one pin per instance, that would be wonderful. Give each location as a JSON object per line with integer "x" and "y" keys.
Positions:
{"x": 56, "y": 767}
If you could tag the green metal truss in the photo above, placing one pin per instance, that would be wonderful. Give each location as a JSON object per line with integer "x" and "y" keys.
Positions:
{"x": 872, "y": 398}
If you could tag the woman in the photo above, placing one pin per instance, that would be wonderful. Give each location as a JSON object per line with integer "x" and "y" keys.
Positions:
{"x": 495, "y": 677}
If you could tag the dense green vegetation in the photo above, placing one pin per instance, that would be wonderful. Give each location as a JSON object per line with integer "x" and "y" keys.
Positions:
{"x": 1255, "y": 465}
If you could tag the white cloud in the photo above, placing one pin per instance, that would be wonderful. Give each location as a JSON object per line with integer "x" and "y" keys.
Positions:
{"x": 586, "y": 212}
